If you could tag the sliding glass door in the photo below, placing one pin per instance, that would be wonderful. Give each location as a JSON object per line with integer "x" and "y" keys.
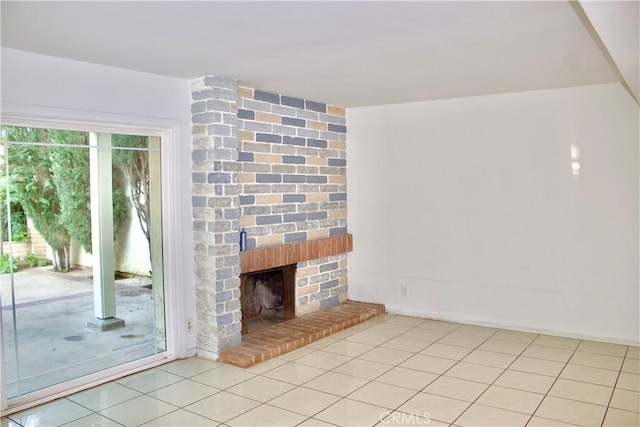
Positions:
{"x": 81, "y": 262}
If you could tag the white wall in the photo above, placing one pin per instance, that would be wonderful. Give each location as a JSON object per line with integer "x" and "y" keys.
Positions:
{"x": 42, "y": 81}
{"x": 472, "y": 205}
{"x": 130, "y": 246}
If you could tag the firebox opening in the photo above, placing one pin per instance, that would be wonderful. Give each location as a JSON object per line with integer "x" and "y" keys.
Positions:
{"x": 264, "y": 303}
{"x": 267, "y": 298}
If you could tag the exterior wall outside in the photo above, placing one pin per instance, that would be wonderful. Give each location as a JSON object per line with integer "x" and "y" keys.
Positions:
{"x": 478, "y": 212}
{"x": 35, "y": 245}
{"x": 18, "y": 250}
{"x": 38, "y": 245}
{"x": 130, "y": 247}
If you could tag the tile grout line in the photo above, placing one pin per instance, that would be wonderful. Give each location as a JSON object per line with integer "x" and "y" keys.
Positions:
{"x": 552, "y": 384}
{"x": 368, "y": 380}
{"x": 184, "y": 378}
{"x": 340, "y": 398}
{"x": 493, "y": 382}
{"x": 415, "y": 392}
{"x": 296, "y": 386}
{"x": 442, "y": 374}
{"x": 520, "y": 355}
{"x": 614, "y": 387}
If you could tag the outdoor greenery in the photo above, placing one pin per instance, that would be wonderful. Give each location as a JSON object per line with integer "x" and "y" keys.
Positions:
{"x": 52, "y": 184}
{"x": 18, "y": 219}
{"x": 70, "y": 177}
{"x": 32, "y": 260}
{"x": 31, "y": 185}
{"x": 18, "y": 226}
{"x": 6, "y": 264}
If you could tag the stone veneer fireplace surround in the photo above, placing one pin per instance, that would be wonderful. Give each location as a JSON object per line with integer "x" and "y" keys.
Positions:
{"x": 275, "y": 165}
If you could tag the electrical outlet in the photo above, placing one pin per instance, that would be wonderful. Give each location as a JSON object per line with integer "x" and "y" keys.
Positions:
{"x": 189, "y": 324}
{"x": 403, "y": 291}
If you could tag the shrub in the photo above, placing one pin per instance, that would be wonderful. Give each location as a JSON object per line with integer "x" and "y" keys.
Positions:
{"x": 19, "y": 230}
{"x": 5, "y": 267}
{"x": 31, "y": 259}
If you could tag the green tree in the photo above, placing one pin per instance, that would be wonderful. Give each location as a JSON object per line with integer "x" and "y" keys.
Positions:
{"x": 53, "y": 186}
{"x": 31, "y": 180}
{"x": 18, "y": 218}
{"x": 71, "y": 175}
{"x": 70, "y": 171}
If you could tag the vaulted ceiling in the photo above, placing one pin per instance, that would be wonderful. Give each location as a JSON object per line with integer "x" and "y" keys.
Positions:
{"x": 345, "y": 53}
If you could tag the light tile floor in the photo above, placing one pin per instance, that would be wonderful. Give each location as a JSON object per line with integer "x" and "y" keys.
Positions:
{"x": 388, "y": 371}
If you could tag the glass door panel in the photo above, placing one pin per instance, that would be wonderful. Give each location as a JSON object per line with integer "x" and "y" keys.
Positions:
{"x": 82, "y": 284}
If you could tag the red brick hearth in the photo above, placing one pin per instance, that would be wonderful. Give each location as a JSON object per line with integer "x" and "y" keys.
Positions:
{"x": 295, "y": 333}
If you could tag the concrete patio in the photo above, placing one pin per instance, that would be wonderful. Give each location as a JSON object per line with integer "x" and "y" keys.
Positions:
{"x": 53, "y": 343}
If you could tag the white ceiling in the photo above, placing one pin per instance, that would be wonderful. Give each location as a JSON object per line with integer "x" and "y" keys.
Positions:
{"x": 343, "y": 53}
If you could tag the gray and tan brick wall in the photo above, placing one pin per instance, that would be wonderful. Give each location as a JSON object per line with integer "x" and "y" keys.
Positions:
{"x": 293, "y": 176}
{"x": 321, "y": 283}
{"x": 294, "y": 188}
{"x": 276, "y": 166}
{"x": 216, "y": 212}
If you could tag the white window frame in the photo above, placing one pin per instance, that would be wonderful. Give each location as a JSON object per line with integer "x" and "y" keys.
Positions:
{"x": 172, "y": 240}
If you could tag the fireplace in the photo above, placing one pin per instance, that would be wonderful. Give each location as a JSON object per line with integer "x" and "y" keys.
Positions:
{"x": 305, "y": 269}
{"x": 267, "y": 297}
{"x": 276, "y": 166}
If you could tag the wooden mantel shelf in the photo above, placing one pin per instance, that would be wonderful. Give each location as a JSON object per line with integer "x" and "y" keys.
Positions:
{"x": 293, "y": 253}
